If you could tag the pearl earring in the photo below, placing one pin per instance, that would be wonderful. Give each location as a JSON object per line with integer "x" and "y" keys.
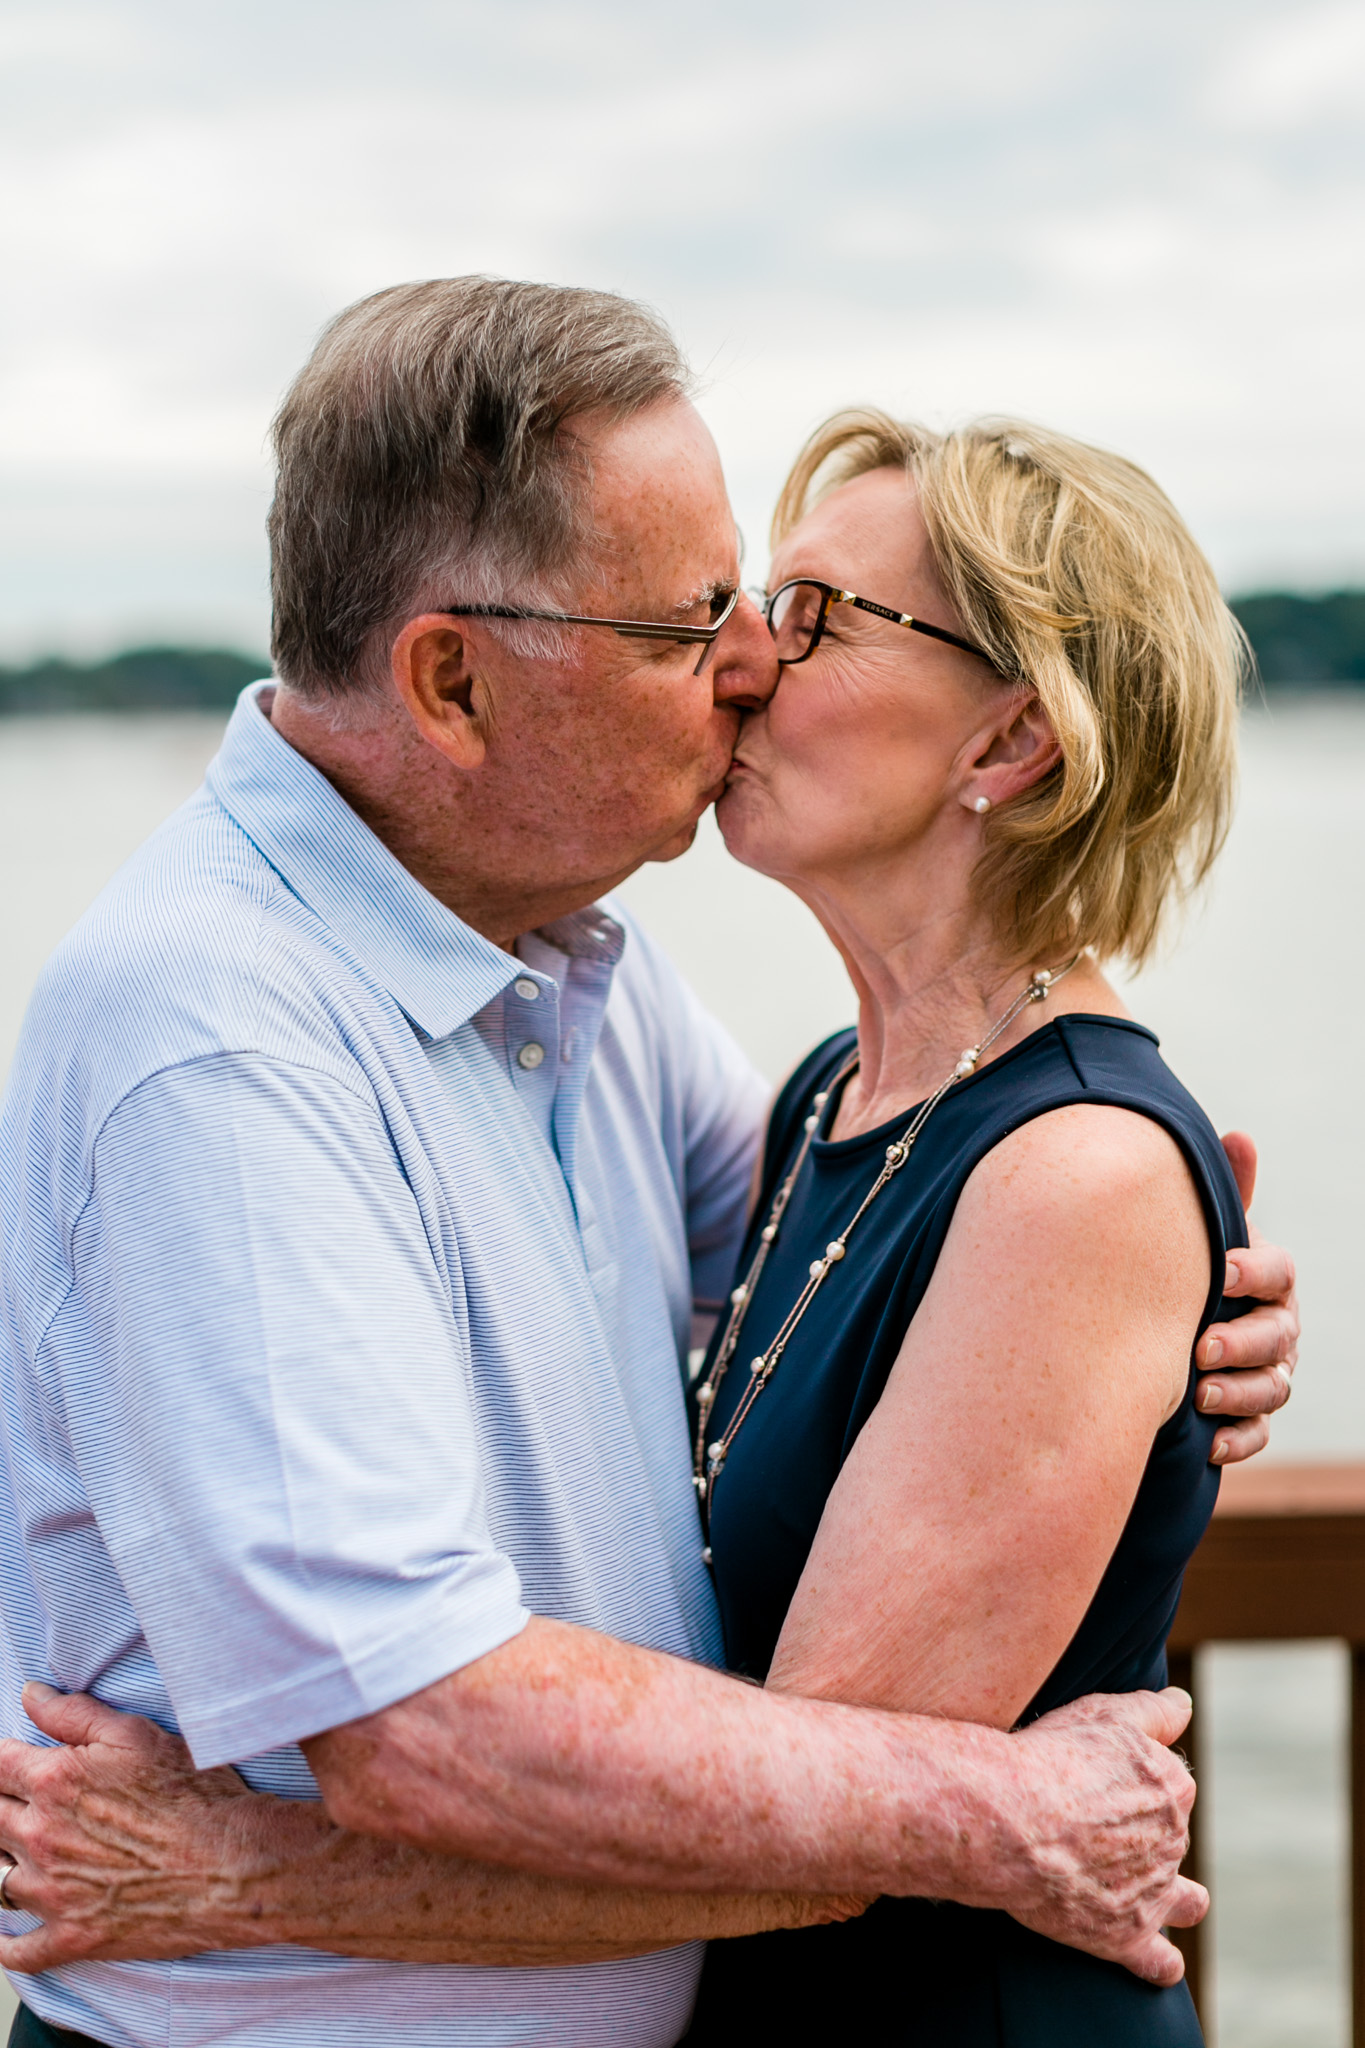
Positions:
{"x": 982, "y": 805}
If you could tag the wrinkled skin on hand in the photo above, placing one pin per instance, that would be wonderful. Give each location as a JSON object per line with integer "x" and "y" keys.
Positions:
{"x": 1106, "y": 1838}
{"x": 126, "y": 1851}
{"x": 111, "y": 1834}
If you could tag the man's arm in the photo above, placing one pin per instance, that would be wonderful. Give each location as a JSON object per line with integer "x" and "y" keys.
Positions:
{"x": 564, "y": 1750}
{"x": 1248, "y": 1366}
{"x": 124, "y": 1851}
{"x": 567, "y": 1753}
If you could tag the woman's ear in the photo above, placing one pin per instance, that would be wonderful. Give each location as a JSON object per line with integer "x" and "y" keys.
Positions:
{"x": 432, "y": 671}
{"x": 1009, "y": 757}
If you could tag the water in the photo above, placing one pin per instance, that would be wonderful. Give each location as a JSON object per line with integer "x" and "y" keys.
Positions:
{"x": 1257, "y": 1008}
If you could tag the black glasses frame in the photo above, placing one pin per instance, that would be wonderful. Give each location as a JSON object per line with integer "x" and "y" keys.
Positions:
{"x": 830, "y": 594}
{"x": 632, "y": 629}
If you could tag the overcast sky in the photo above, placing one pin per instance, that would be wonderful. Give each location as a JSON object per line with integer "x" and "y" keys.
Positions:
{"x": 1142, "y": 220}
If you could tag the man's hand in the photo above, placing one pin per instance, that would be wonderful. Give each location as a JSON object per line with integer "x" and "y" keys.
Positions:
{"x": 111, "y": 1834}
{"x": 1105, "y": 1826}
{"x": 1255, "y": 1356}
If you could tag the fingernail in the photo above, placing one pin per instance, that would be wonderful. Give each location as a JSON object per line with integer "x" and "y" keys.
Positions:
{"x": 1211, "y": 1397}
{"x": 1213, "y": 1350}
{"x": 1181, "y": 1695}
{"x": 1220, "y": 1452}
{"x": 1285, "y": 1374}
{"x": 37, "y": 1690}
{"x": 1234, "y": 1278}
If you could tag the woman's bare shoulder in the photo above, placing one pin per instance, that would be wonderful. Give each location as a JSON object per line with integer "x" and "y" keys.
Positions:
{"x": 1091, "y": 1155}
{"x": 1085, "y": 1182}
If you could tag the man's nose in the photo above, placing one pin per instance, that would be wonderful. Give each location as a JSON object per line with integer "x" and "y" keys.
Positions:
{"x": 745, "y": 667}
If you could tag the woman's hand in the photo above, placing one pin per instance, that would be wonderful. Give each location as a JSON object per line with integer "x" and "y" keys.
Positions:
{"x": 124, "y": 1851}
{"x": 1255, "y": 1357}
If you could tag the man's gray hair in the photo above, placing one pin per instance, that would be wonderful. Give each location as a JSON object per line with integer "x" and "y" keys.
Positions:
{"x": 420, "y": 454}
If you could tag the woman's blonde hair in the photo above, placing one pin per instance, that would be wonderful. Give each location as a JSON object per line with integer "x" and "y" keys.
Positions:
{"x": 1079, "y": 577}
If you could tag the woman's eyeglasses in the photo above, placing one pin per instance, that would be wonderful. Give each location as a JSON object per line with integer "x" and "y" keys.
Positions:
{"x": 796, "y": 613}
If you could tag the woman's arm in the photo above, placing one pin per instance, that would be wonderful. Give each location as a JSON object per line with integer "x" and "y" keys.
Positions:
{"x": 977, "y": 1512}
{"x": 152, "y": 1859}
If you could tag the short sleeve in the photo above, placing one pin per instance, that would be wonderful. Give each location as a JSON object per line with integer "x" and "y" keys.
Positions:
{"x": 275, "y": 1420}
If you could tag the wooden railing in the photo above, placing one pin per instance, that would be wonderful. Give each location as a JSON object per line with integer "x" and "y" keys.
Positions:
{"x": 1283, "y": 1560}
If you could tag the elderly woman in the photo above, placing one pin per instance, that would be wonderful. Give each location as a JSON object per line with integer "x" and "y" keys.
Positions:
{"x": 948, "y": 1457}
{"x": 946, "y": 1442}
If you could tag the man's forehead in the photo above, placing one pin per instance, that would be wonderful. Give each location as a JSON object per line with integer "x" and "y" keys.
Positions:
{"x": 663, "y": 527}
{"x": 660, "y": 464}
{"x": 683, "y": 561}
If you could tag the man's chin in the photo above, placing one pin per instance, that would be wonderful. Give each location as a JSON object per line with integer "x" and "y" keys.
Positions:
{"x": 678, "y": 844}
{"x": 680, "y": 841}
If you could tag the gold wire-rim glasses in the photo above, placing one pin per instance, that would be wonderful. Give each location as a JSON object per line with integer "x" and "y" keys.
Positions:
{"x": 633, "y": 629}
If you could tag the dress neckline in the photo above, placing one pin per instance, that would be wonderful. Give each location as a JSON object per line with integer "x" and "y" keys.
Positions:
{"x": 881, "y": 1134}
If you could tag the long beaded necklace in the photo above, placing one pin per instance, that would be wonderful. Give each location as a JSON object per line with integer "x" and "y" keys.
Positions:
{"x": 709, "y": 1459}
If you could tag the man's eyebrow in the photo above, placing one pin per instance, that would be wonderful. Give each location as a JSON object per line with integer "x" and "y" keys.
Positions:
{"x": 715, "y": 586}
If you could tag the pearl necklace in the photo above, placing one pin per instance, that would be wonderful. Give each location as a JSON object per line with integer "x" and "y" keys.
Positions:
{"x": 709, "y": 1460}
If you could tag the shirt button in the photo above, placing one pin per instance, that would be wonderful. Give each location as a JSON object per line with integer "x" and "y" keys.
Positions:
{"x": 527, "y": 989}
{"x": 530, "y": 1056}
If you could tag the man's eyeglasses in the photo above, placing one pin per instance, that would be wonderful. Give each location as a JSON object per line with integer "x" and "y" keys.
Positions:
{"x": 722, "y": 605}
{"x": 796, "y": 613}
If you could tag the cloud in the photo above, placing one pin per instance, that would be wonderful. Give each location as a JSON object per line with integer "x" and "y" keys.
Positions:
{"x": 1141, "y": 221}
{"x": 1308, "y": 65}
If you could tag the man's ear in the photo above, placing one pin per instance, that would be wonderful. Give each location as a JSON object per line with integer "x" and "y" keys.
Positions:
{"x": 432, "y": 671}
{"x": 1009, "y": 757}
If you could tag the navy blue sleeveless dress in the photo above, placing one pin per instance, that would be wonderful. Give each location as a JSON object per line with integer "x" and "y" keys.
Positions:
{"x": 911, "y": 1972}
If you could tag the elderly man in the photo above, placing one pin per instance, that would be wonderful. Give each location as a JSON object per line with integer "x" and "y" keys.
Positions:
{"x": 361, "y": 1174}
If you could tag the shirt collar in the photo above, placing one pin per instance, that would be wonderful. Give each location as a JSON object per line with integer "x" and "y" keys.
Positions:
{"x": 591, "y": 934}
{"x": 436, "y": 967}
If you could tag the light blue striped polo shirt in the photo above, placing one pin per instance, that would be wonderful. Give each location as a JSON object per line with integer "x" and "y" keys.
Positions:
{"x": 348, "y": 1265}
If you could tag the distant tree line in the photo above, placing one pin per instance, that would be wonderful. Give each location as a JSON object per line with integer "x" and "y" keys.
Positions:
{"x": 1300, "y": 643}
{"x": 145, "y": 679}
